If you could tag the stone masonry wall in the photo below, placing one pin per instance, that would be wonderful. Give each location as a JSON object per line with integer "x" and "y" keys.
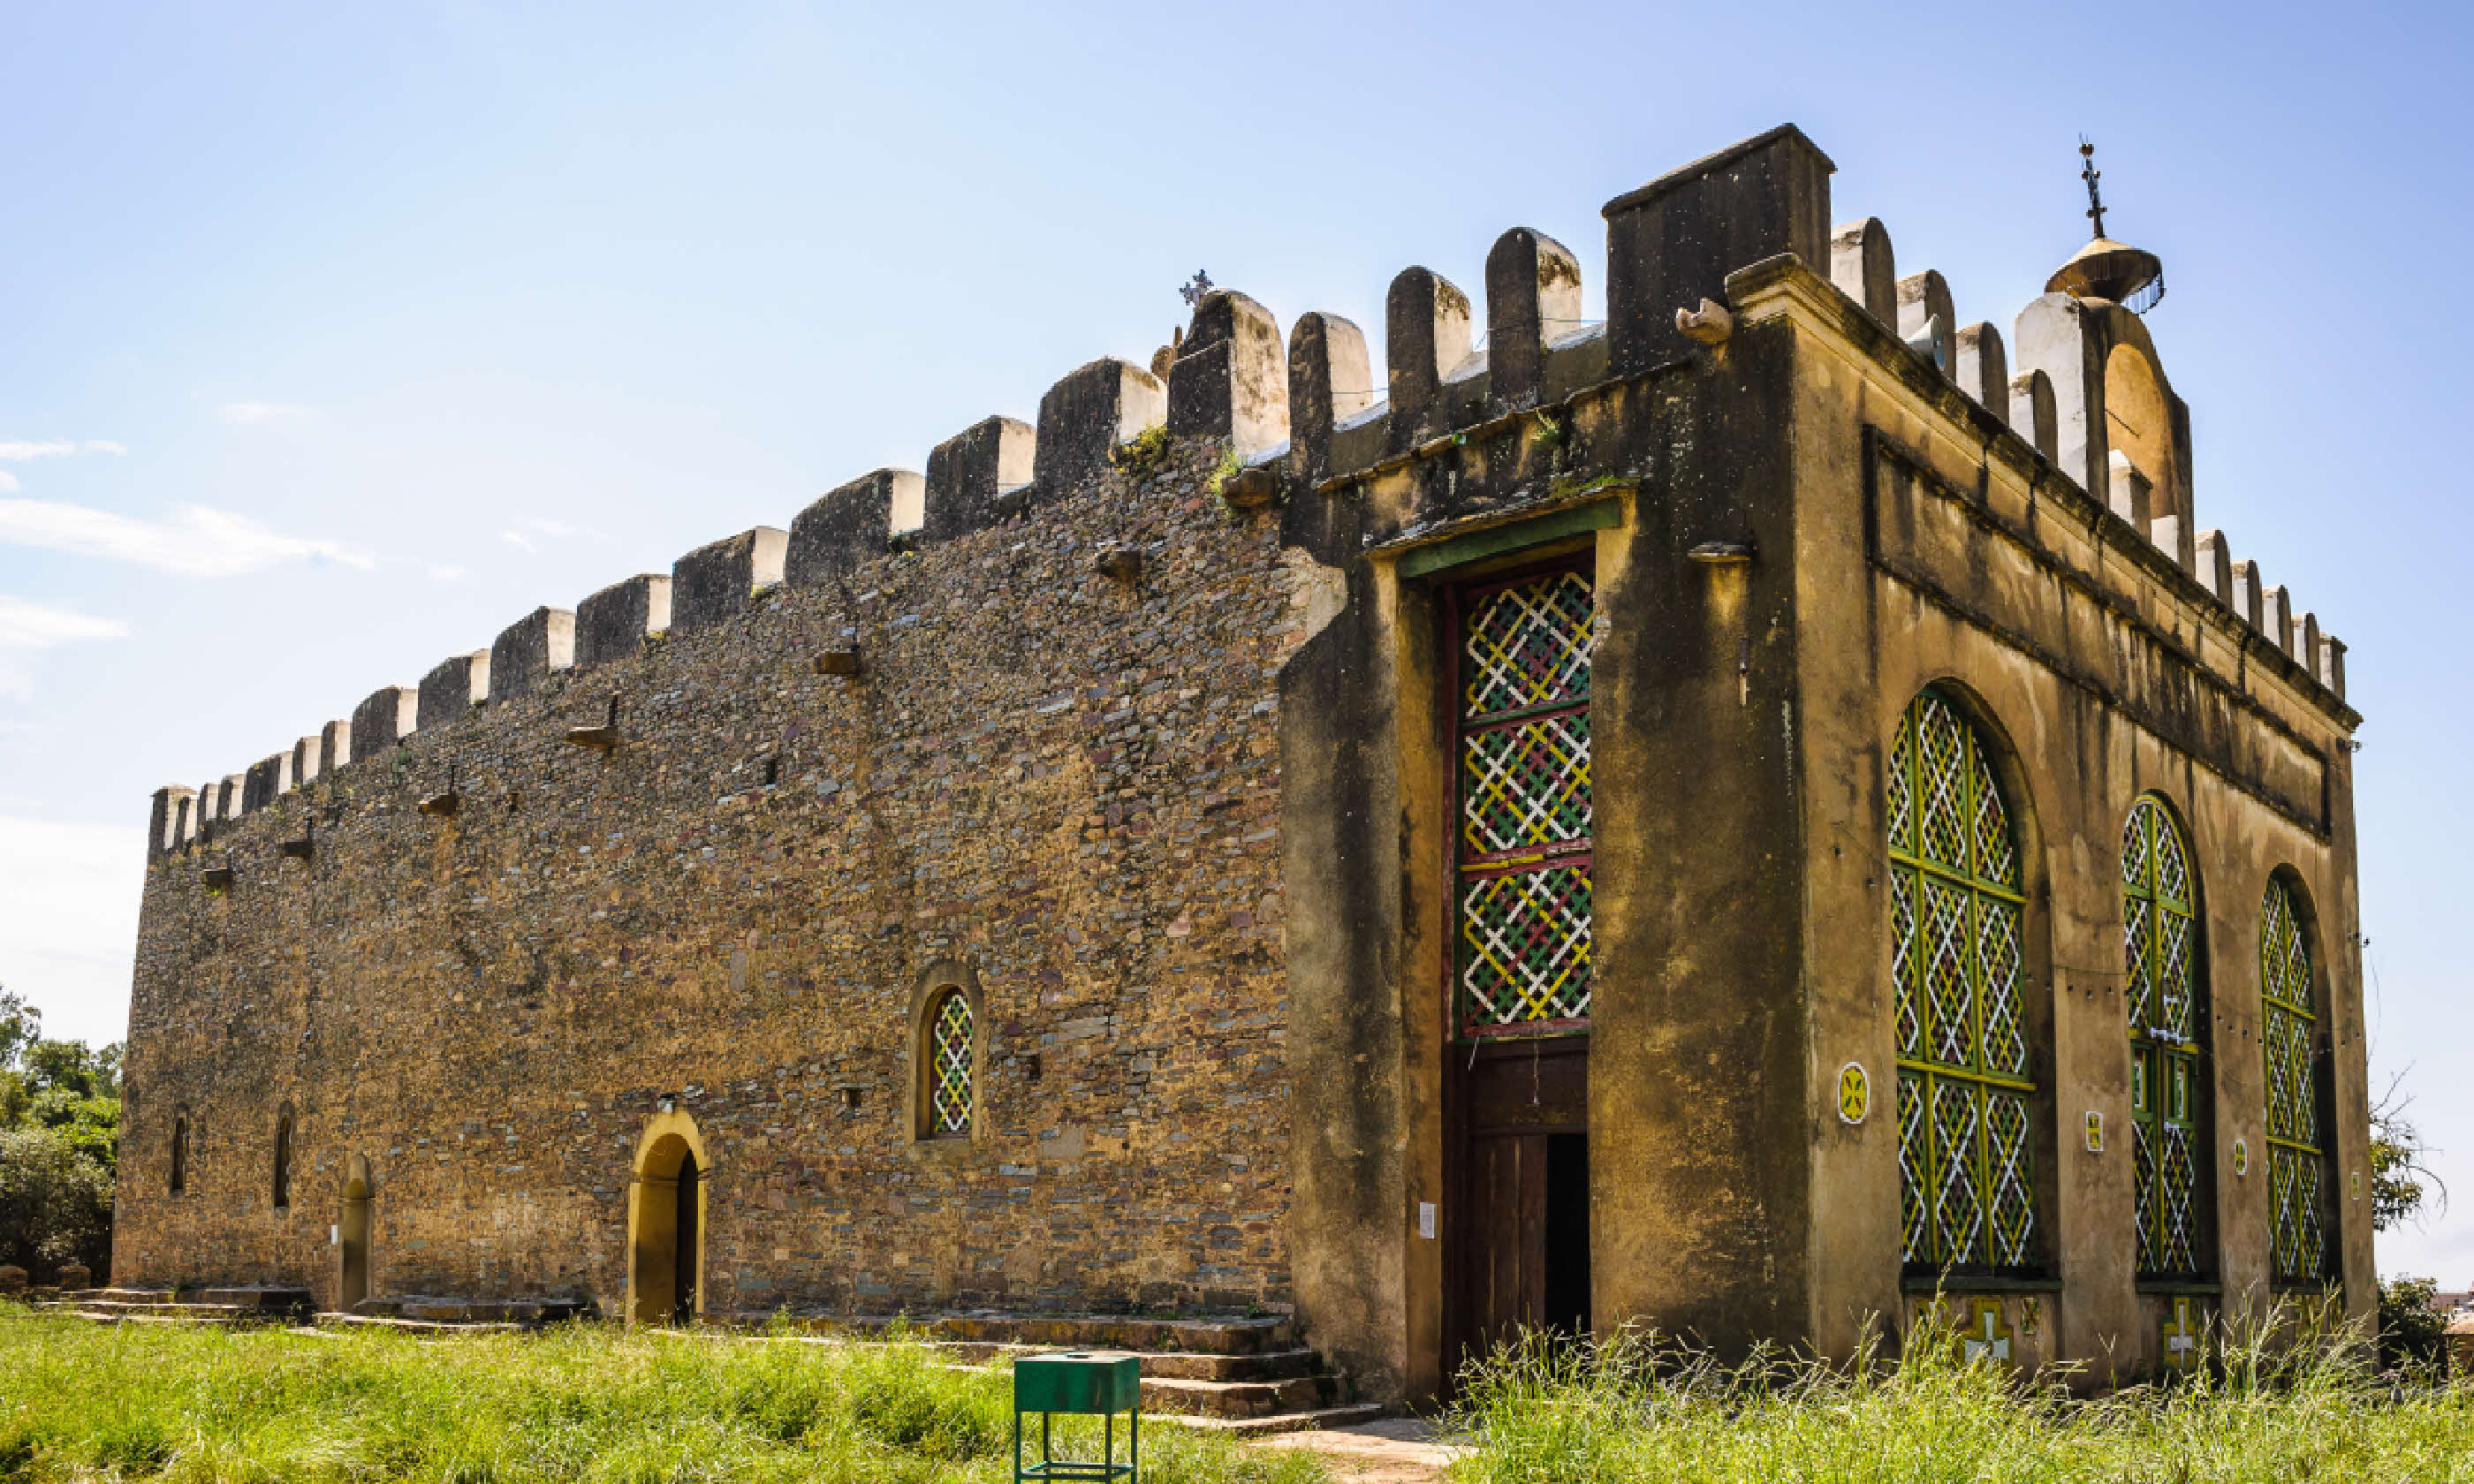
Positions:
{"x": 1066, "y": 781}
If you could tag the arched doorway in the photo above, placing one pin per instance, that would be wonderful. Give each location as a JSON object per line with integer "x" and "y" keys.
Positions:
{"x": 665, "y": 1223}
{"x": 353, "y": 1238}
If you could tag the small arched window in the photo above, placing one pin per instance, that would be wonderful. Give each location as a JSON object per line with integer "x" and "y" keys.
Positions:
{"x": 2169, "y": 1035}
{"x": 2297, "y": 1178}
{"x": 284, "y": 1158}
{"x": 951, "y": 1087}
{"x": 180, "y": 1153}
{"x": 1966, "y": 1080}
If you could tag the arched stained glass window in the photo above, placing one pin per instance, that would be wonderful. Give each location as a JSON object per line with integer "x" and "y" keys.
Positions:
{"x": 1522, "y": 718}
{"x": 2297, "y": 1163}
{"x": 1965, "y": 1077}
{"x": 2168, "y": 1033}
{"x": 952, "y": 1091}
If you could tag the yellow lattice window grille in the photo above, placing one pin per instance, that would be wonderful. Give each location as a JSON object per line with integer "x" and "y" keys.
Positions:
{"x": 952, "y": 1090}
{"x": 1521, "y": 680}
{"x": 1966, "y": 1080}
{"x": 2297, "y": 1165}
{"x": 2169, "y": 1035}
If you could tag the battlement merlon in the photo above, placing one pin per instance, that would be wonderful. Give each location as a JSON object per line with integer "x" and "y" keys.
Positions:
{"x": 1306, "y": 406}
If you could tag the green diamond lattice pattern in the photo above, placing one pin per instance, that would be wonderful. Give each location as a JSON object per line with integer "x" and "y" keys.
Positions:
{"x": 2167, "y": 1046}
{"x": 1967, "y": 1190}
{"x": 949, "y": 1101}
{"x": 1524, "y": 802}
{"x": 2296, "y": 1166}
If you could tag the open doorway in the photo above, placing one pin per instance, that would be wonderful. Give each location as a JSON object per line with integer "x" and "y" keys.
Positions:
{"x": 1521, "y": 1243}
{"x": 353, "y": 1238}
{"x": 666, "y": 1221}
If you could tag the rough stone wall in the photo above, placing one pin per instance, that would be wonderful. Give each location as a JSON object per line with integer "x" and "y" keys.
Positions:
{"x": 1063, "y": 780}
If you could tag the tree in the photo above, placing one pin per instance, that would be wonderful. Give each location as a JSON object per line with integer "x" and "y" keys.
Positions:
{"x": 2413, "y": 1334}
{"x": 2399, "y": 1174}
{"x": 21, "y": 1025}
{"x": 55, "y": 1203}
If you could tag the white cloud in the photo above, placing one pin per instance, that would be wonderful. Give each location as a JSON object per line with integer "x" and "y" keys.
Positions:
{"x": 104, "y": 446}
{"x": 527, "y": 533}
{"x": 195, "y": 543}
{"x": 248, "y": 413}
{"x": 68, "y": 919}
{"x": 27, "y": 628}
{"x": 20, "y": 450}
{"x": 446, "y": 572}
{"x": 9, "y": 483}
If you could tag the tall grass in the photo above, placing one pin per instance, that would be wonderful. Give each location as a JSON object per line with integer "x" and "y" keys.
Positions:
{"x": 592, "y": 1404}
{"x": 2276, "y": 1408}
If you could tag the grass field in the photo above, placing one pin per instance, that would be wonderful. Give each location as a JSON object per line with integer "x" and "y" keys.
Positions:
{"x": 590, "y": 1403}
{"x": 1625, "y": 1411}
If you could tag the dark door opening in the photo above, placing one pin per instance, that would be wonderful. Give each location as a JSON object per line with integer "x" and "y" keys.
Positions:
{"x": 1520, "y": 1183}
{"x": 1566, "y": 1244}
{"x": 683, "y": 1279}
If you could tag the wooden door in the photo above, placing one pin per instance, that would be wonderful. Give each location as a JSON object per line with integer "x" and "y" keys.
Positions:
{"x": 1520, "y": 1238}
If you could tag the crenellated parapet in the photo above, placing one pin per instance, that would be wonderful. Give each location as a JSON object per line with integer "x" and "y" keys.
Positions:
{"x": 2076, "y": 390}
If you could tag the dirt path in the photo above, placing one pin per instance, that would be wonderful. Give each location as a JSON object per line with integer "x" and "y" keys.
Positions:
{"x": 1392, "y": 1450}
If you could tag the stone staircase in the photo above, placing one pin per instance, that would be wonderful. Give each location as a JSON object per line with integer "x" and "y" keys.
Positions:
{"x": 255, "y": 1303}
{"x": 423, "y": 1314}
{"x": 1229, "y": 1376}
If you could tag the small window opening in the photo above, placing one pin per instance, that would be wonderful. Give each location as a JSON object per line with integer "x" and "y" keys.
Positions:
{"x": 850, "y": 1099}
{"x": 951, "y": 1094}
{"x": 1030, "y": 1068}
{"x": 283, "y": 1163}
{"x": 180, "y": 1154}
{"x": 772, "y": 770}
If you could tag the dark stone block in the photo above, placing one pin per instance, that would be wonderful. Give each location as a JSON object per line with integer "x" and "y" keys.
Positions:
{"x": 529, "y": 651}
{"x": 386, "y": 716}
{"x": 966, "y": 470}
{"x": 1672, "y": 243}
{"x": 714, "y": 581}
{"x": 612, "y": 623}
{"x": 1087, "y": 413}
{"x": 850, "y": 525}
{"x": 448, "y": 692}
{"x": 1230, "y": 378}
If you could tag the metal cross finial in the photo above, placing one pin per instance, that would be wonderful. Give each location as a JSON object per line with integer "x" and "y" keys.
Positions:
{"x": 2091, "y": 175}
{"x": 1196, "y": 288}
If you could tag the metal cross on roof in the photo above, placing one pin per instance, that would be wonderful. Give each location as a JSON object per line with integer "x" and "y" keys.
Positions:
{"x": 2091, "y": 175}
{"x": 1196, "y": 288}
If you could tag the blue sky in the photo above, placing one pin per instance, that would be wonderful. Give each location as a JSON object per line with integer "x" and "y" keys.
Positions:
{"x": 336, "y": 338}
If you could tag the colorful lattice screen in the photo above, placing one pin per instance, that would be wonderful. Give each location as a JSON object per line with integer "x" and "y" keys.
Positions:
{"x": 2169, "y": 1028}
{"x": 1523, "y": 767}
{"x": 1965, "y": 1081}
{"x": 949, "y": 1067}
{"x": 2296, "y": 1165}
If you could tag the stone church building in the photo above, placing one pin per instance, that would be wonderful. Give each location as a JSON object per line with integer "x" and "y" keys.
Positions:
{"x": 1738, "y": 816}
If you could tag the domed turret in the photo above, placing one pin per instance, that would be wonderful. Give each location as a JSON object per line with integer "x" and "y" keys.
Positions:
{"x": 2130, "y": 276}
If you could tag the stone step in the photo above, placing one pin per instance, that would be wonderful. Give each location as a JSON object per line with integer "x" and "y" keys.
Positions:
{"x": 1347, "y": 1414}
{"x": 331, "y": 1322}
{"x": 264, "y": 1298}
{"x": 1233, "y": 1401}
{"x": 1277, "y": 1365}
{"x": 1228, "y": 1336}
{"x": 141, "y": 1310}
{"x": 180, "y": 1314}
{"x": 438, "y": 1310}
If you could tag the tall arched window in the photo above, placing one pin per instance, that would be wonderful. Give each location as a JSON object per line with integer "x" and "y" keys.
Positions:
{"x": 2297, "y": 1163}
{"x": 952, "y": 1091}
{"x": 180, "y": 1153}
{"x": 1965, "y": 1080}
{"x": 283, "y": 1158}
{"x": 2168, "y": 1032}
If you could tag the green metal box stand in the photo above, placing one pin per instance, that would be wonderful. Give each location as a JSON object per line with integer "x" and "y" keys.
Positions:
{"x": 1084, "y": 1385}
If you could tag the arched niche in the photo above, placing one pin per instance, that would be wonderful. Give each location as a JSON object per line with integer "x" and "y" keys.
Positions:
{"x": 353, "y": 1237}
{"x": 665, "y": 1222}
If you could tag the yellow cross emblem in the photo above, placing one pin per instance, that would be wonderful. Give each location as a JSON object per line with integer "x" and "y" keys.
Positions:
{"x": 2182, "y": 1329}
{"x": 1985, "y": 1339}
{"x": 1855, "y": 1094}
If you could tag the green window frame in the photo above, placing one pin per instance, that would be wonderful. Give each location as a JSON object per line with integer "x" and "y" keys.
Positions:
{"x": 2298, "y": 1181}
{"x": 1966, "y": 1079}
{"x": 2167, "y": 995}
{"x": 1520, "y": 683}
